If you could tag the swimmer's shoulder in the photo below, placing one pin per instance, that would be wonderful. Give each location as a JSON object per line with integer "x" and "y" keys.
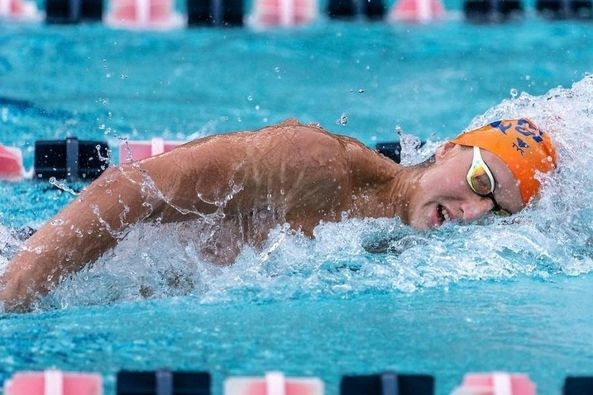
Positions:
{"x": 312, "y": 136}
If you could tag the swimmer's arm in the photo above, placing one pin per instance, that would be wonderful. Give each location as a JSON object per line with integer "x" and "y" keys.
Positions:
{"x": 163, "y": 187}
{"x": 80, "y": 233}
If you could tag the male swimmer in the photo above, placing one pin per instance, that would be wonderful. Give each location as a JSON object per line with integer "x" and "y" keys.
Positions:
{"x": 249, "y": 182}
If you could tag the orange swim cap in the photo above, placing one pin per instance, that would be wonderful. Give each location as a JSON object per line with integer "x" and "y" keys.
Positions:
{"x": 520, "y": 145}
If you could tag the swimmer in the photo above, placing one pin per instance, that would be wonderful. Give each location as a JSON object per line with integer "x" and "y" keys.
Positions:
{"x": 301, "y": 175}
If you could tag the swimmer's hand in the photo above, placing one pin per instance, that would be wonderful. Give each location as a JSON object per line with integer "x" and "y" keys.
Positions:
{"x": 12, "y": 299}
{"x": 392, "y": 244}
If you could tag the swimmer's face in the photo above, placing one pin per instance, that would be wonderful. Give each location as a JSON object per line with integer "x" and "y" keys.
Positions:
{"x": 443, "y": 193}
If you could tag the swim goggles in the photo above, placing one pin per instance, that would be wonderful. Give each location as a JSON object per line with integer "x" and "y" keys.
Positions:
{"x": 481, "y": 181}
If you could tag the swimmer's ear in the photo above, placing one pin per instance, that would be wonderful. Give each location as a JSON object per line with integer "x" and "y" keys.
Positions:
{"x": 443, "y": 150}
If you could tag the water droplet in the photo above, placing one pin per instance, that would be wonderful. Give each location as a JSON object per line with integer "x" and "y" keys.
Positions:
{"x": 343, "y": 120}
{"x": 514, "y": 93}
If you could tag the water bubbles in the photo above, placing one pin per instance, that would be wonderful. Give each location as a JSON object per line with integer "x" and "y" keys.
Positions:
{"x": 343, "y": 120}
{"x": 410, "y": 145}
{"x": 277, "y": 70}
{"x": 102, "y": 158}
{"x": 514, "y": 93}
{"x": 62, "y": 186}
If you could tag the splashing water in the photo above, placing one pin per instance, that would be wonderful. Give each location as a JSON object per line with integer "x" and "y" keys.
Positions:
{"x": 551, "y": 237}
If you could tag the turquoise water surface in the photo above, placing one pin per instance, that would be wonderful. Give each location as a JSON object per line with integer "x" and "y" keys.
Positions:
{"x": 504, "y": 294}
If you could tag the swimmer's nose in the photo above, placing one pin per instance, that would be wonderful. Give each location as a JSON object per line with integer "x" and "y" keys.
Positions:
{"x": 475, "y": 209}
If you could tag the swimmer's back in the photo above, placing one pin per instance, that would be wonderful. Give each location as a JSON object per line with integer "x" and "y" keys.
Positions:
{"x": 299, "y": 167}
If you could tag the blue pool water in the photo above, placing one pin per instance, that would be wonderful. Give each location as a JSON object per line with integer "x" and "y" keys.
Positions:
{"x": 505, "y": 294}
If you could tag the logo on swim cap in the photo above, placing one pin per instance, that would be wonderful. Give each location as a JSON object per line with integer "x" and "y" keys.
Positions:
{"x": 521, "y": 145}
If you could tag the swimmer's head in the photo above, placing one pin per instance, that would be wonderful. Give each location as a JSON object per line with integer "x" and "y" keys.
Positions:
{"x": 519, "y": 143}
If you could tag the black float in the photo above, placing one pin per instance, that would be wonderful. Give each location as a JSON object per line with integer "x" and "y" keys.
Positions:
{"x": 579, "y": 385}
{"x": 215, "y": 12}
{"x": 387, "y": 383}
{"x": 347, "y": 9}
{"x": 73, "y": 11}
{"x": 481, "y": 11}
{"x": 70, "y": 159}
{"x": 163, "y": 382}
{"x": 561, "y": 9}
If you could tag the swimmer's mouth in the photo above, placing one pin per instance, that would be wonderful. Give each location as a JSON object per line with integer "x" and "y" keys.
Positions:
{"x": 442, "y": 214}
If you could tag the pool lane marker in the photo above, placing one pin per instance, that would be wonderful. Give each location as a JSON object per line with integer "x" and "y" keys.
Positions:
{"x": 11, "y": 163}
{"x": 130, "y": 151}
{"x": 496, "y": 383}
{"x": 417, "y": 10}
{"x": 53, "y": 382}
{"x": 19, "y": 10}
{"x": 283, "y": 13}
{"x": 74, "y": 159}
